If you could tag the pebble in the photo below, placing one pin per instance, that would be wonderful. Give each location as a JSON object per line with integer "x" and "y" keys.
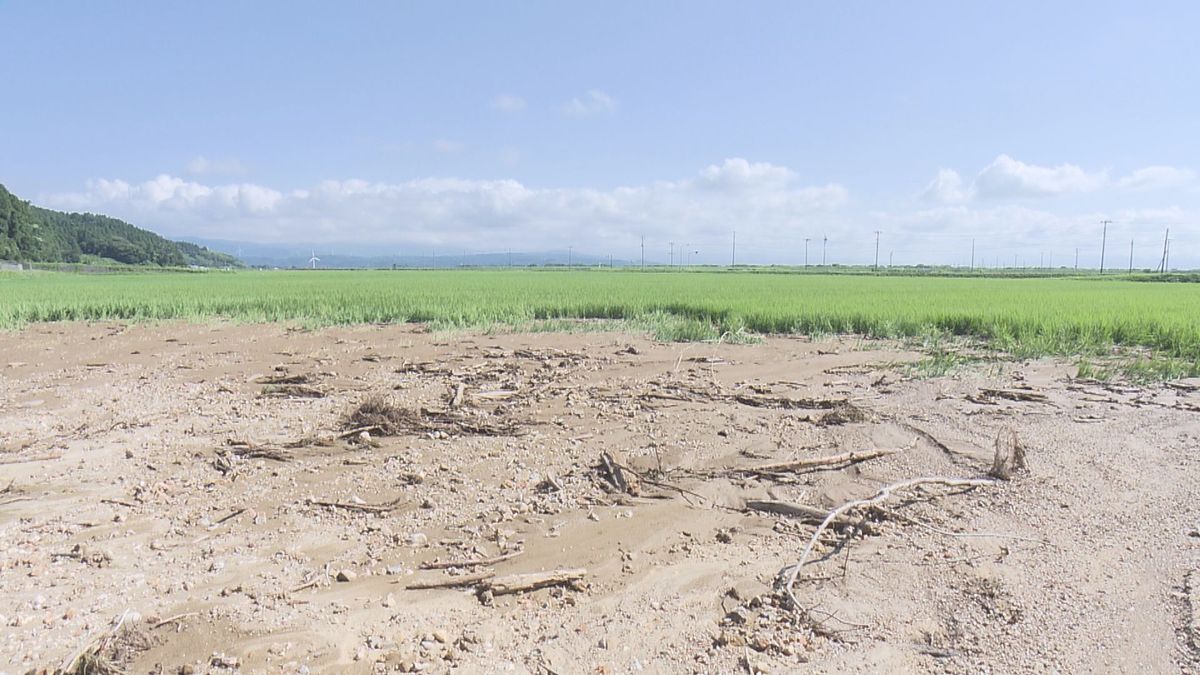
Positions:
{"x": 346, "y": 575}
{"x": 389, "y": 600}
{"x": 441, "y": 636}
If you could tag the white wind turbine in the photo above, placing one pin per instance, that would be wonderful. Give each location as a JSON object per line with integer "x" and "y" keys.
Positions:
{"x": 314, "y": 260}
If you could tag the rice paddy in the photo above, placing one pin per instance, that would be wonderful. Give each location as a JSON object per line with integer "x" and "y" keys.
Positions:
{"x": 1020, "y": 316}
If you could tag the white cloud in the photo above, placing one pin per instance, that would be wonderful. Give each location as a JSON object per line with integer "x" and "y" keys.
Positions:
{"x": 1157, "y": 178}
{"x": 477, "y": 214}
{"x": 447, "y": 147}
{"x": 594, "y": 102}
{"x": 201, "y": 165}
{"x": 1007, "y": 177}
{"x": 947, "y": 188}
{"x": 508, "y": 103}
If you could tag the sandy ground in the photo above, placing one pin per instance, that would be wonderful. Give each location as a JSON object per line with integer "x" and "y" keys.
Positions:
{"x": 152, "y": 474}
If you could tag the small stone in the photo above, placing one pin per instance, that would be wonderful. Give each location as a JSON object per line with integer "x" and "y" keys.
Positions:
{"x": 389, "y": 600}
{"x": 346, "y": 575}
{"x": 394, "y": 570}
{"x": 441, "y": 636}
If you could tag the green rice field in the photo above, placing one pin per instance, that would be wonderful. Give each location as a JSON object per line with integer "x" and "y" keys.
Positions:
{"x": 1021, "y": 316}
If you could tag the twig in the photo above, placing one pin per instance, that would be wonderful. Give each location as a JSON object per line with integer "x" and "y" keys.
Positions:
{"x": 519, "y": 583}
{"x": 470, "y": 563}
{"x": 358, "y": 430}
{"x": 852, "y": 457}
{"x": 882, "y": 495}
{"x": 173, "y": 619}
{"x": 118, "y": 502}
{"x": 365, "y": 508}
{"x": 229, "y": 517}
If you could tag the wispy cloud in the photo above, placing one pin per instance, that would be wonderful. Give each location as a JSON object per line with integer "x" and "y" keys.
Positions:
{"x": 201, "y": 165}
{"x": 447, "y": 147}
{"x": 510, "y": 103}
{"x": 594, "y": 102}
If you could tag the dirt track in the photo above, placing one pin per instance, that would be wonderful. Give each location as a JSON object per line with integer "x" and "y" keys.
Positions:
{"x": 127, "y": 498}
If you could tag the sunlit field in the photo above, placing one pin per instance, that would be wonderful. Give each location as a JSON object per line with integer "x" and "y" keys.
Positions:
{"x": 1022, "y": 316}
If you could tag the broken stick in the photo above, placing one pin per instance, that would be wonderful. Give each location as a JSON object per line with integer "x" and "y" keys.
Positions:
{"x": 805, "y": 513}
{"x": 365, "y": 508}
{"x": 520, "y": 583}
{"x": 852, "y": 457}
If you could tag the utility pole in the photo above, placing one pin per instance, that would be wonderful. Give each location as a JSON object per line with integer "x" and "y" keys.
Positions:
{"x": 972, "y": 254}
{"x": 1103, "y": 241}
{"x": 610, "y": 261}
{"x": 1162, "y": 266}
{"x": 824, "y": 243}
{"x": 806, "y": 240}
{"x": 1076, "y": 258}
{"x": 1131, "y": 256}
{"x": 510, "y": 257}
{"x": 1042, "y": 260}
{"x": 890, "y": 254}
{"x": 643, "y": 252}
{"x": 733, "y": 255}
{"x": 672, "y": 255}
{"x": 877, "y": 233}
{"x": 569, "y": 255}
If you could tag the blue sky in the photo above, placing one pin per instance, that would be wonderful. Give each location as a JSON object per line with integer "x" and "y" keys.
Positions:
{"x": 540, "y": 125}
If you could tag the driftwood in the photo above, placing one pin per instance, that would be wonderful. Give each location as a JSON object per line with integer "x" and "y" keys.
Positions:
{"x": 365, "y": 508}
{"x": 852, "y": 457}
{"x": 1009, "y": 457}
{"x": 805, "y": 513}
{"x": 882, "y": 495}
{"x": 520, "y": 583}
{"x": 247, "y": 450}
{"x": 481, "y": 562}
{"x": 451, "y": 582}
{"x": 613, "y": 472}
{"x": 291, "y": 391}
{"x": 989, "y": 396}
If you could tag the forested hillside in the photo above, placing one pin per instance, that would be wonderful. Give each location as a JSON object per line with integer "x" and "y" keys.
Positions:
{"x": 33, "y": 234}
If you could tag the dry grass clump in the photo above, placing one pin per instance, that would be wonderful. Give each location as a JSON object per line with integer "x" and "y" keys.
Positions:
{"x": 379, "y": 415}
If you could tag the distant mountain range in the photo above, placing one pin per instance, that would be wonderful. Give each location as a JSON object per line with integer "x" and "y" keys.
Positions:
{"x": 32, "y": 234}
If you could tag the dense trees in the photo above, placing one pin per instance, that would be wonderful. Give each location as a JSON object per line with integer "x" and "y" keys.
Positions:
{"x": 35, "y": 234}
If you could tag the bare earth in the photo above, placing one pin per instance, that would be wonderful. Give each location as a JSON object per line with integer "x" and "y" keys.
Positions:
{"x": 153, "y": 477}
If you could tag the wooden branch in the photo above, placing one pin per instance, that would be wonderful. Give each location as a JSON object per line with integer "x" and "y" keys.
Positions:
{"x": 520, "y": 583}
{"x": 470, "y": 563}
{"x": 615, "y": 476}
{"x": 882, "y": 495}
{"x": 365, "y": 508}
{"x": 173, "y": 619}
{"x": 852, "y": 457}
{"x": 451, "y": 582}
{"x": 804, "y": 513}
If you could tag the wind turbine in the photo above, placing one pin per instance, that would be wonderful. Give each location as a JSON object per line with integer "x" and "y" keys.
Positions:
{"x": 314, "y": 260}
